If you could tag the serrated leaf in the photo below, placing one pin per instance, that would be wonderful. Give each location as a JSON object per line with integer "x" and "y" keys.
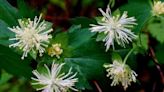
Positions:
{"x": 82, "y": 80}
{"x": 88, "y": 60}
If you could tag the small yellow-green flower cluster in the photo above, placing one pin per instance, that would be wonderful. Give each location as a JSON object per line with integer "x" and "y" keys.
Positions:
{"x": 158, "y": 8}
{"x": 55, "y": 50}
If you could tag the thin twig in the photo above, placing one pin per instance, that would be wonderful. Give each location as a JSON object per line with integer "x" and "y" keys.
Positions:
{"x": 154, "y": 86}
{"x": 97, "y": 86}
{"x": 157, "y": 64}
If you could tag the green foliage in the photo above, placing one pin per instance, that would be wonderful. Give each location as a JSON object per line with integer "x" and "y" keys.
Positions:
{"x": 11, "y": 61}
{"x": 144, "y": 41}
{"x": 112, "y": 3}
{"x": 78, "y": 36}
{"x": 5, "y": 34}
{"x": 5, "y": 77}
{"x": 61, "y": 38}
{"x": 24, "y": 10}
{"x": 116, "y": 56}
{"x": 142, "y": 12}
{"x": 81, "y": 51}
{"x": 8, "y": 13}
{"x": 85, "y": 53}
{"x": 87, "y": 2}
{"x": 83, "y": 21}
{"x": 159, "y": 53}
{"x": 156, "y": 29}
{"x": 17, "y": 86}
{"x": 141, "y": 45}
{"x": 59, "y": 3}
{"x": 88, "y": 61}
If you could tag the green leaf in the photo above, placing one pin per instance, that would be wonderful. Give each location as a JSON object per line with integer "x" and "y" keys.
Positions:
{"x": 5, "y": 77}
{"x": 112, "y": 3}
{"x": 142, "y": 12}
{"x": 48, "y": 25}
{"x": 61, "y": 38}
{"x": 100, "y": 36}
{"x": 79, "y": 36}
{"x": 5, "y": 34}
{"x": 116, "y": 56}
{"x": 157, "y": 30}
{"x": 142, "y": 44}
{"x": 8, "y": 13}
{"x": 88, "y": 61}
{"x": 83, "y": 21}
{"x": 59, "y": 3}
{"x": 87, "y": 2}
{"x": 159, "y": 53}
{"x": 33, "y": 54}
{"x": 144, "y": 41}
{"x": 13, "y": 64}
{"x": 23, "y": 8}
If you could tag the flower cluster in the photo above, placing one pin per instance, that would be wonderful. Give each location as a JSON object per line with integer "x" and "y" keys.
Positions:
{"x": 120, "y": 73}
{"x": 34, "y": 36}
{"x": 31, "y": 35}
{"x": 55, "y": 50}
{"x": 115, "y": 28}
{"x": 53, "y": 80}
{"x": 158, "y": 8}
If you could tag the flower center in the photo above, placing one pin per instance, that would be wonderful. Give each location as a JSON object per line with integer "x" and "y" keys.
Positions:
{"x": 29, "y": 37}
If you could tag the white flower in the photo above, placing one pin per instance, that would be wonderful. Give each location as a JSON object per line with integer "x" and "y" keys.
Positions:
{"x": 31, "y": 35}
{"x": 158, "y": 8}
{"x": 55, "y": 50}
{"x": 120, "y": 73}
{"x": 53, "y": 80}
{"x": 115, "y": 28}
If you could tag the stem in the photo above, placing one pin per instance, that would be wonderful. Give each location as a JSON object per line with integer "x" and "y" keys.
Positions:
{"x": 126, "y": 57}
{"x": 97, "y": 86}
{"x": 154, "y": 86}
{"x": 157, "y": 64}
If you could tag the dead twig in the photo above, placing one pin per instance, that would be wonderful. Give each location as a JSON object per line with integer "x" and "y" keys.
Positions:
{"x": 152, "y": 53}
{"x": 97, "y": 86}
